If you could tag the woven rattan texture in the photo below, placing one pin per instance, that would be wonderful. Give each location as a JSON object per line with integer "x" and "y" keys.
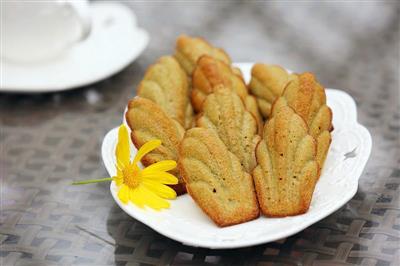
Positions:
{"x": 47, "y": 141}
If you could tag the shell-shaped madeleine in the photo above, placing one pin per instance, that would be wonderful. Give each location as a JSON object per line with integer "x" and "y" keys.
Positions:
{"x": 287, "y": 169}
{"x": 148, "y": 121}
{"x": 166, "y": 84}
{"x": 307, "y": 97}
{"x": 215, "y": 179}
{"x": 267, "y": 84}
{"x": 225, "y": 114}
{"x": 210, "y": 73}
{"x": 190, "y": 49}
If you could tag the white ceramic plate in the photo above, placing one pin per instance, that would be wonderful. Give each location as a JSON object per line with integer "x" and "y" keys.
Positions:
{"x": 113, "y": 43}
{"x": 186, "y": 223}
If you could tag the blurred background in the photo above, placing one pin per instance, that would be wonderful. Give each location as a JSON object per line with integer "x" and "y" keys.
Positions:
{"x": 48, "y": 140}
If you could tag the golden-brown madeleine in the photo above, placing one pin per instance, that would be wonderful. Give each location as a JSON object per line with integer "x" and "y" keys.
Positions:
{"x": 189, "y": 50}
{"x": 251, "y": 105}
{"x": 209, "y": 73}
{"x": 225, "y": 114}
{"x": 307, "y": 97}
{"x": 215, "y": 179}
{"x": 287, "y": 169}
{"x": 148, "y": 121}
{"x": 266, "y": 84}
{"x": 166, "y": 84}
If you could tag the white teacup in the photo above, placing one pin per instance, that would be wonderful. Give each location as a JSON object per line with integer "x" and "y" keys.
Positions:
{"x": 34, "y": 31}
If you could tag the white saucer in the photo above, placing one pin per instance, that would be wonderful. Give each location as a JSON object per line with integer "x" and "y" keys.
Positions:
{"x": 114, "y": 42}
{"x": 186, "y": 223}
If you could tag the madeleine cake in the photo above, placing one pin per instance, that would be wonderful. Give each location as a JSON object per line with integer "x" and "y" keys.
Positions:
{"x": 209, "y": 73}
{"x": 267, "y": 84}
{"x": 287, "y": 169}
{"x": 148, "y": 121}
{"x": 307, "y": 97}
{"x": 166, "y": 84}
{"x": 190, "y": 49}
{"x": 215, "y": 179}
{"x": 225, "y": 114}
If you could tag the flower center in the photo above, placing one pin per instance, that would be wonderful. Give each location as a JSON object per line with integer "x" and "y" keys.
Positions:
{"x": 131, "y": 175}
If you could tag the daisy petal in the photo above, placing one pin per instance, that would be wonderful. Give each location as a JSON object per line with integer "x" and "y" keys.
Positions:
{"x": 136, "y": 197}
{"x": 161, "y": 177}
{"x": 165, "y": 165}
{"x": 146, "y": 148}
{"x": 119, "y": 172}
{"x": 123, "y": 194}
{"x": 122, "y": 151}
{"x": 154, "y": 201}
{"x": 160, "y": 190}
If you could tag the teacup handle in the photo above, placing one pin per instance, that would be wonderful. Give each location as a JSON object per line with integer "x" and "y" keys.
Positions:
{"x": 81, "y": 10}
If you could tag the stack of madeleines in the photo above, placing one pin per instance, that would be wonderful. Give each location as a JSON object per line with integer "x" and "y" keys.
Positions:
{"x": 240, "y": 148}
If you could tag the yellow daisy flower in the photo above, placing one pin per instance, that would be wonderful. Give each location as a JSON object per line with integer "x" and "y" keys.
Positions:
{"x": 143, "y": 187}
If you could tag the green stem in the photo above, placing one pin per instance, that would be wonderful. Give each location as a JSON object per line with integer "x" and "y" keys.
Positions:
{"x": 92, "y": 181}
